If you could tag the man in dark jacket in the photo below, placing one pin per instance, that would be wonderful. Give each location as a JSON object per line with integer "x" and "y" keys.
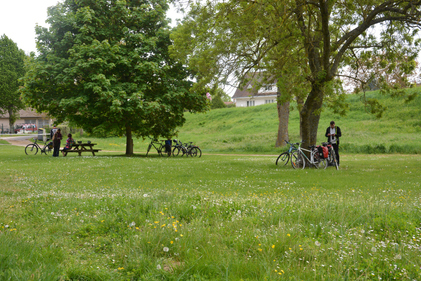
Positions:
{"x": 333, "y": 133}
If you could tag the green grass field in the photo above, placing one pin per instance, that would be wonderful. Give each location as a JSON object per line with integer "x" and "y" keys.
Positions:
{"x": 253, "y": 130}
{"x": 210, "y": 218}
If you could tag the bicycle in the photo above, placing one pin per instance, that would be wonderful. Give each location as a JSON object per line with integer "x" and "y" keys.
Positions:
{"x": 179, "y": 147}
{"x": 331, "y": 159}
{"x": 299, "y": 158}
{"x": 193, "y": 150}
{"x": 285, "y": 156}
{"x": 159, "y": 146}
{"x": 187, "y": 149}
{"x": 32, "y": 148}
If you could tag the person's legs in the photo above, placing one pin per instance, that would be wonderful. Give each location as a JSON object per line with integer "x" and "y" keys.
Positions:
{"x": 336, "y": 148}
{"x": 56, "y": 151}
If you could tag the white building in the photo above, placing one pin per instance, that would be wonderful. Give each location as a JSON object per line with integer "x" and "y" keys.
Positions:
{"x": 249, "y": 95}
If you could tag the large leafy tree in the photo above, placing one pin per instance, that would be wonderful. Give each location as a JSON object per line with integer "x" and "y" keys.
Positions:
{"x": 12, "y": 68}
{"x": 302, "y": 44}
{"x": 104, "y": 65}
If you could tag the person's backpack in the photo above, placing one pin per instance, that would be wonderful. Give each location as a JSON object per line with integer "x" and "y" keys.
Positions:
{"x": 168, "y": 144}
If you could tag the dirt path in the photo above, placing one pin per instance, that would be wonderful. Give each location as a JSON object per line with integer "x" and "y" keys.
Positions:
{"x": 18, "y": 142}
{"x": 26, "y": 142}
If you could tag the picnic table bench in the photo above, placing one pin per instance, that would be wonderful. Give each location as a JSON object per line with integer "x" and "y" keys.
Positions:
{"x": 81, "y": 147}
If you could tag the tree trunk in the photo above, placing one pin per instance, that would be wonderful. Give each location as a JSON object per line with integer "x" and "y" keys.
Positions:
{"x": 129, "y": 140}
{"x": 300, "y": 103}
{"x": 12, "y": 119}
{"x": 283, "y": 116}
{"x": 310, "y": 115}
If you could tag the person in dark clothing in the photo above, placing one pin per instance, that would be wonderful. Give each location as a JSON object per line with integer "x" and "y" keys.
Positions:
{"x": 333, "y": 133}
{"x": 56, "y": 143}
{"x": 168, "y": 145}
{"x": 53, "y": 131}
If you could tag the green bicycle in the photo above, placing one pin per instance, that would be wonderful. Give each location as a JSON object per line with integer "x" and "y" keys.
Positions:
{"x": 285, "y": 156}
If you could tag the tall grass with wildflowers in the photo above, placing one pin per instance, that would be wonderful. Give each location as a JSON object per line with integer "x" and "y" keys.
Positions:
{"x": 212, "y": 218}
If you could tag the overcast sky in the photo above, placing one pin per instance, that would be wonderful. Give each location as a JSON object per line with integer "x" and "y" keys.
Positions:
{"x": 18, "y": 19}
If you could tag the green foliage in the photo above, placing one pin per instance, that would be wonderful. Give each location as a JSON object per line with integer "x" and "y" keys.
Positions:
{"x": 104, "y": 66}
{"x": 217, "y": 102}
{"x": 303, "y": 46}
{"x": 11, "y": 70}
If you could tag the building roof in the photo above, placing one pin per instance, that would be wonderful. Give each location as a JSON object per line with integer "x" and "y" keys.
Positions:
{"x": 249, "y": 90}
{"x": 27, "y": 113}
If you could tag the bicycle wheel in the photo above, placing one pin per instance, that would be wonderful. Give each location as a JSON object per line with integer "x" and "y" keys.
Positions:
{"x": 31, "y": 149}
{"x": 283, "y": 158}
{"x": 323, "y": 163}
{"x": 176, "y": 151}
{"x": 149, "y": 148}
{"x": 45, "y": 150}
{"x": 316, "y": 159}
{"x": 195, "y": 152}
{"x": 199, "y": 152}
{"x": 297, "y": 160}
{"x": 334, "y": 160}
{"x": 166, "y": 153}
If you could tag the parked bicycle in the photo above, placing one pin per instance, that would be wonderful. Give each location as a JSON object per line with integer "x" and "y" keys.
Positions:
{"x": 32, "y": 148}
{"x": 193, "y": 150}
{"x": 331, "y": 160}
{"x": 159, "y": 147}
{"x": 299, "y": 158}
{"x": 285, "y": 156}
{"x": 188, "y": 149}
{"x": 178, "y": 148}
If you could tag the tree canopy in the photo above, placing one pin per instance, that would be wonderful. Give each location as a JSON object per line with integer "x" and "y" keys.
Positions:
{"x": 12, "y": 68}
{"x": 305, "y": 45}
{"x": 104, "y": 65}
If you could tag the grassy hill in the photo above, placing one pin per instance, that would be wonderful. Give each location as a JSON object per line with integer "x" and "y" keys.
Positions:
{"x": 254, "y": 129}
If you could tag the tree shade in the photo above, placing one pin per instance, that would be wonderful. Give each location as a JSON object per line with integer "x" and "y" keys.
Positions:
{"x": 104, "y": 65}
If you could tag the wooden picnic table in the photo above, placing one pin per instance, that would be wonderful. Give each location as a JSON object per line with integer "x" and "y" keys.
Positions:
{"x": 81, "y": 147}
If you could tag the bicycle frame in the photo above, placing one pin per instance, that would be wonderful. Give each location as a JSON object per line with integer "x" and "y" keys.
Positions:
{"x": 155, "y": 144}
{"x": 37, "y": 146}
{"x": 332, "y": 155}
{"x": 292, "y": 147}
{"x": 312, "y": 161}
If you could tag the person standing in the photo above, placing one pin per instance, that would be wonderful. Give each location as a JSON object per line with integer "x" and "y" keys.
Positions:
{"x": 56, "y": 142}
{"x": 333, "y": 133}
{"x": 53, "y": 131}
